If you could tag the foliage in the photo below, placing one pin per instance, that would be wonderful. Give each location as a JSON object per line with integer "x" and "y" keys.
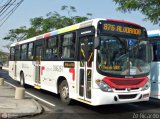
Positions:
{"x": 3, "y": 57}
{"x": 16, "y": 34}
{"x": 40, "y": 25}
{"x": 150, "y": 8}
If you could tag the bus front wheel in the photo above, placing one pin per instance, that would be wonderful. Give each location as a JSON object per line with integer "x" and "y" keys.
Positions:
{"x": 64, "y": 92}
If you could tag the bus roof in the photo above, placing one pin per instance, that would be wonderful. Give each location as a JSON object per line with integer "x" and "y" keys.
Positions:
{"x": 153, "y": 33}
{"x": 123, "y": 21}
{"x": 60, "y": 31}
{"x": 92, "y": 22}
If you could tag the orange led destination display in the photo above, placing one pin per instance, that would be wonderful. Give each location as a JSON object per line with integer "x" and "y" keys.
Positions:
{"x": 122, "y": 29}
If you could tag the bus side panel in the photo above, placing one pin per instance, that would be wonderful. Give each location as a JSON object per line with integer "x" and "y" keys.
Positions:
{"x": 27, "y": 68}
{"x": 17, "y": 70}
{"x": 12, "y": 69}
{"x": 48, "y": 77}
{"x": 155, "y": 79}
{"x": 51, "y": 71}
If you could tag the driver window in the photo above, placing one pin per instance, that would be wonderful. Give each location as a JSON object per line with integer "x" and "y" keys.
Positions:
{"x": 110, "y": 49}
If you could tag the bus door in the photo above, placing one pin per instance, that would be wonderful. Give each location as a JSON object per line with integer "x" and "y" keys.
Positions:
{"x": 85, "y": 67}
{"x": 38, "y": 56}
{"x": 155, "y": 71}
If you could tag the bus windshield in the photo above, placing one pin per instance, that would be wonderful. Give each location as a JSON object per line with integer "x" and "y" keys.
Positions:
{"x": 119, "y": 55}
{"x": 156, "y": 48}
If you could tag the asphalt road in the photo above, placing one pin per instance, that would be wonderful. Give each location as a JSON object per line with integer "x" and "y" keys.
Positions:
{"x": 141, "y": 110}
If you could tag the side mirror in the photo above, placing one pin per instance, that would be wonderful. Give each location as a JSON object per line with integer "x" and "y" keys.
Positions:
{"x": 96, "y": 42}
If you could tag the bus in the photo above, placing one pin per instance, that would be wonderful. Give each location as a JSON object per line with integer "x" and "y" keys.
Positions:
{"x": 154, "y": 38}
{"x": 98, "y": 62}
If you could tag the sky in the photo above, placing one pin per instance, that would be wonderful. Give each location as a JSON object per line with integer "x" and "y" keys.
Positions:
{"x": 99, "y": 9}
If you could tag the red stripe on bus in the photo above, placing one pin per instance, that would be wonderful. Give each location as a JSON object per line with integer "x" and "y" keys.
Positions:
{"x": 71, "y": 70}
{"x": 47, "y": 35}
{"x": 42, "y": 68}
{"x": 115, "y": 82}
{"x": 122, "y": 21}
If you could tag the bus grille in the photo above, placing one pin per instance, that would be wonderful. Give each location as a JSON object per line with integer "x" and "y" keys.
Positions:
{"x": 122, "y": 83}
{"x": 127, "y": 82}
{"x": 123, "y": 89}
{"x": 127, "y": 96}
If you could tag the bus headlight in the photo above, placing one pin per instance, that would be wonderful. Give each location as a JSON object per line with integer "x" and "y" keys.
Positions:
{"x": 103, "y": 86}
{"x": 146, "y": 86}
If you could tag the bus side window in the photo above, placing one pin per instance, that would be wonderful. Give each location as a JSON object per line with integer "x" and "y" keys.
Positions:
{"x": 51, "y": 49}
{"x": 12, "y": 52}
{"x": 158, "y": 51}
{"x": 30, "y": 51}
{"x": 53, "y": 45}
{"x": 23, "y": 54}
{"x": 68, "y": 46}
{"x": 48, "y": 53}
{"x": 17, "y": 54}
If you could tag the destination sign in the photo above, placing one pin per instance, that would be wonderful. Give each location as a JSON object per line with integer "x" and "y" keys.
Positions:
{"x": 121, "y": 28}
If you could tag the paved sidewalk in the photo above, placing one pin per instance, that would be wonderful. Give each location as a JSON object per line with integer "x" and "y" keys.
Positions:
{"x": 14, "y": 108}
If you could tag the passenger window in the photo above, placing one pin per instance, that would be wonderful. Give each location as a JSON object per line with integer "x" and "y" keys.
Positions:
{"x": 68, "y": 46}
{"x": 156, "y": 51}
{"x": 30, "y": 51}
{"x": 17, "y": 53}
{"x": 53, "y": 45}
{"x": 51, "y": 50}
{"x": 12, "y": 54}
{"x": 24, "y": 52}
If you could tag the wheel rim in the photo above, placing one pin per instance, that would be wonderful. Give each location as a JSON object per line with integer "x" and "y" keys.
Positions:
{"x": 65, "y": 92}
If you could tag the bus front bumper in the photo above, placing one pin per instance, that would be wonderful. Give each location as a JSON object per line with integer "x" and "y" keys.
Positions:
{"x": 102, "y": 98}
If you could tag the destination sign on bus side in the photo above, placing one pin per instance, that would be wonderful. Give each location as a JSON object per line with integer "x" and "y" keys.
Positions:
{"x": 121, "y": 29}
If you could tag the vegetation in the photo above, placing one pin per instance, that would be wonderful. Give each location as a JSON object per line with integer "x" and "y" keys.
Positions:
{"x": 40, "y": 25}
{"x": 150, "y": 8}
{"x": 4, "y": 57}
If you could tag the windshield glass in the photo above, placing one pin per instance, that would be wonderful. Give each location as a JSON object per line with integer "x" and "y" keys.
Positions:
{"x": 119, "y": 55}
{"x": 156, "y": 48}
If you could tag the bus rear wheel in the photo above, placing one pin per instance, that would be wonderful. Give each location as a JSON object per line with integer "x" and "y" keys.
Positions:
{"x": 64, "y": 92}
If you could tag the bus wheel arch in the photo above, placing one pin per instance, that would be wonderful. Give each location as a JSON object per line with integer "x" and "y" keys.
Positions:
{"x": 22, "y": 80}
{"x": 63, "y": 90}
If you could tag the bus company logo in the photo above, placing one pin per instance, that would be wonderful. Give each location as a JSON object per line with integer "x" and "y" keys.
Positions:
{"x": 128, "y": 89}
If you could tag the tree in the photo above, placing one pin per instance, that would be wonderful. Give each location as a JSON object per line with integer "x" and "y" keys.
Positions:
{"x": 40, "y": 25}
{"x": 74, "y": 19}
{"x": 69, "y": 9}
{"x": 150, "y": 8}
{"x": 16, "y": 34}
{"x": 4, "y": 57}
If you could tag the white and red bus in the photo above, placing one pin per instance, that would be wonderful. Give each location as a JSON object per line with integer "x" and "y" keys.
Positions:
{"x": 98, "y": 62}
{"x": 154, "y": 38}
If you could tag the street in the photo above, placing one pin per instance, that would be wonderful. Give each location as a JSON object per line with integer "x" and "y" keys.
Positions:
{"x": 55, "y": 109}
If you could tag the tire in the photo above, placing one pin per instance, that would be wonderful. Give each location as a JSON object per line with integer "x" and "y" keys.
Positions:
{"x": 22, "y": 83}
{"x": 64, "y": 92}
